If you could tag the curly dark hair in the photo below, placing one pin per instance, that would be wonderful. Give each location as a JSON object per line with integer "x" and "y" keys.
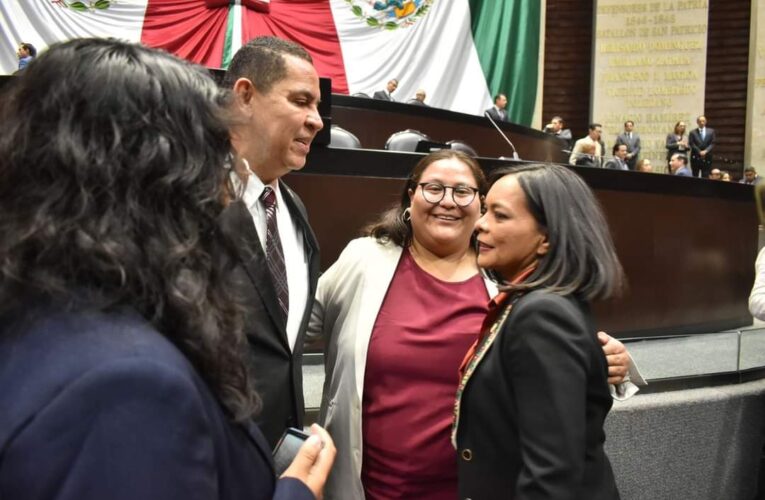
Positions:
{"x": 391, "y": 226}
{"x": 111, "y": 160}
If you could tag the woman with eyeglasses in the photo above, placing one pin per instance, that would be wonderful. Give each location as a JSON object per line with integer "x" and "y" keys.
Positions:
{"x": 398, "y": 311}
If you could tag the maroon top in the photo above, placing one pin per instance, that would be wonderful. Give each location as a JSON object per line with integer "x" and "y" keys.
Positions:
{"x": 422, "y": 332}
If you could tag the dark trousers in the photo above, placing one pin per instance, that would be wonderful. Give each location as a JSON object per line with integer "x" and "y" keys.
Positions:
{"x": 701, "y": 165}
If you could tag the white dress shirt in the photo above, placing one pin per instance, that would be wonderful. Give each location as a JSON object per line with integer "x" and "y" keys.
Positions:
{"x": 293, "y": 246}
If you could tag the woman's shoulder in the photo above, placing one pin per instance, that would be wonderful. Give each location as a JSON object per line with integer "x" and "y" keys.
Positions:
{"x": 544, "y": 303}
{"x": 369, "y": 249}
{"x": 46, "y": 355}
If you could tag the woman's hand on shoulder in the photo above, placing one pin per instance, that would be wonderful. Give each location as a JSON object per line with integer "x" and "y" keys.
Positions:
{"x": 313, "y": 461}
{"x": 617, "y": 357}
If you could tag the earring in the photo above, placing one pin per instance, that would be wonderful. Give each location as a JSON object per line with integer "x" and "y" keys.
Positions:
{"x": 406, "y": 215}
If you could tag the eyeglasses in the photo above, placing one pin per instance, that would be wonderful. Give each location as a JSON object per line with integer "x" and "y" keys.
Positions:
{"x": 433, "y": 192}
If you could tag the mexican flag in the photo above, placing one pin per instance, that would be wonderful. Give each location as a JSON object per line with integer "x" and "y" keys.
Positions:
{"x": 461, "y": 52}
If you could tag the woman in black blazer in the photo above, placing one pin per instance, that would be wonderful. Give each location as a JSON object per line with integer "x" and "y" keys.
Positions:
{"x": 533, "y": 393}
{"x": 122, "y": 368}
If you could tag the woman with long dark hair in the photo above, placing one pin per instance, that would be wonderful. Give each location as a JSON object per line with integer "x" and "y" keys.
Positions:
{"x": 533, "y": 393}
{"x": 122, "y": 370}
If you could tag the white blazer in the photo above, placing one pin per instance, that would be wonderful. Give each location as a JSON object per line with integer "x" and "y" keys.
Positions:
{"x": 349, "y": 297}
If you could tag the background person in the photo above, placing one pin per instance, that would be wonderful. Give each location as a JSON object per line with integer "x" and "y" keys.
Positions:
{"x": 750, "y": 176}
{"x": 591, "y": 139}
{"x": 644, "y": 165}
{"x": 123, "y": 374}
{"x": 419, "y": 98}
{"x": 678, "y": 165}
{"x": 555, "y": 127}
{"x": 631, "y": 139}
{"x": 702, "y": 142}
{"x": 409, "y": 291}
{"x": 387, "y": 93}
{"x": 533, "y": 394}
{"x": 26, "y": 52}
{"x": 619, "y": 160}
{"x": 677, "y": 142}
{"x": 498, "y": 112}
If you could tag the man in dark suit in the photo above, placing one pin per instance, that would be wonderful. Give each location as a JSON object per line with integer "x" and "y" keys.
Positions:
{"x": 498, "y": 112}
{"x": 702, "y": 142}
{"x": 677, "y": 165}
{"x": 555, "y": 127}
{"x": 386, "y": 94}
{"x": 631, "y": 139}
{"x": 276, "y": 94}
{"x": 619, "y": 160}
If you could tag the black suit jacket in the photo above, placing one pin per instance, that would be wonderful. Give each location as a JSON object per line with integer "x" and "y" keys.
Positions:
{"x": 697, "y": 144}
{"x": 278, "y": 371}
{"x": 101, "y": 405}
{"x": 633, "y": 146}
{"x": 382, "y": 95}
{"x": 492, "y": 111}
{"x": 531, "y": 414}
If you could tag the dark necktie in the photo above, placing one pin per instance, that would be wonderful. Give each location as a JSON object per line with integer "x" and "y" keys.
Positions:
{"x": 274, "y": 252}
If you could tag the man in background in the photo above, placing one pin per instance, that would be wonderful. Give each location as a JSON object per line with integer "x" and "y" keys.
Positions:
{"x": 701, "y": 141}
{"x": 26, "y": 52}
{"x": 387, "y": 93}
{"x": 631, "y": 139}
{"x": 498, "y": 112}
{"x": 276, "y": 94}
{"x": 678, "y": 166}
{"x": 619, "y": 161}
{"x": 592, "y": 137}
{"x": 715, "y": 174}
{"x": 419, "y": 98}
{"x": 750, "y": 177}
{"x": 555, "y": 127}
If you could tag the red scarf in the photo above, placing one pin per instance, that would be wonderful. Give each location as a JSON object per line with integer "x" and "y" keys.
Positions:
{"x": 496, "y": 306}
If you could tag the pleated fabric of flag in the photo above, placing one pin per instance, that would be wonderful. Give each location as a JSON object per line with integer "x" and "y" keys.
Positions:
{"x": 461, "y": 52}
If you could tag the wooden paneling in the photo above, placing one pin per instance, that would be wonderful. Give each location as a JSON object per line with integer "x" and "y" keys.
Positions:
{"x": 727, "y": 79}
{"x": 441, "y": 125}
{"x": 568, "y": 63}
{"x": 682, "y": 276}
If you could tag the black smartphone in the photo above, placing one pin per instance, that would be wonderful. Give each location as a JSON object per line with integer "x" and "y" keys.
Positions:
{"x": 287, "y": 448}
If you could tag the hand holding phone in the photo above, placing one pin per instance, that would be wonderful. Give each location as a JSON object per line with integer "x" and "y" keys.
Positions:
{"x": 287, "y": 449}
{"x": 313, "y": 461}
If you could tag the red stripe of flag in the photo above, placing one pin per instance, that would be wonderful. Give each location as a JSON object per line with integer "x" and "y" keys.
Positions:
{"x": 309, "y": 23}
{"x": 186, "y": 28}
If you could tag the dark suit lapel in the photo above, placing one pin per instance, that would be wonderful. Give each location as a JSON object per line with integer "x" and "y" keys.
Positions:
{"x": 236, "y": 222}
{"x": 310, "y": 244}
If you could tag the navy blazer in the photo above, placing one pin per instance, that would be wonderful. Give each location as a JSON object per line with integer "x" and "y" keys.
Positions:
{"x": 97, "y": 405}
{"x": 532, "y": 413}
{"x": 278, "y": 369}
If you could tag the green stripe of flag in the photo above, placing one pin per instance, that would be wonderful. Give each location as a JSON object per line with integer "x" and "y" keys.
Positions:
{"x": 229, "y": 43}
{"x": 506, "y": 36}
